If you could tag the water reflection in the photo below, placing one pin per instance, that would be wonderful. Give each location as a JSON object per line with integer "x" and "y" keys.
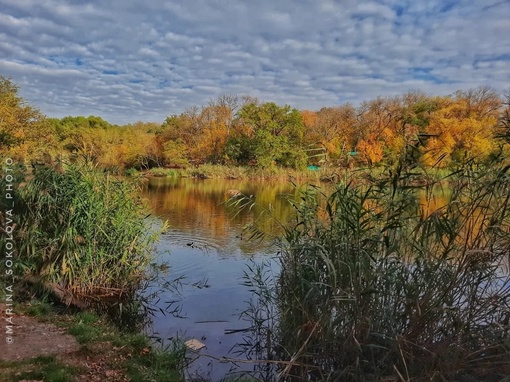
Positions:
{"x": 200, "y": 214}
{"x": 207, "y": 243}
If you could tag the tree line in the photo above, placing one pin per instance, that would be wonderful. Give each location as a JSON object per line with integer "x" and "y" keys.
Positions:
{"x": 236, "y": 130}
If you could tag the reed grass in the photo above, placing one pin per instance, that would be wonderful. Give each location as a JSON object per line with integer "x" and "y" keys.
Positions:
{"x": 210, "y": 171}
{"x": 82, "y": 232}
{"x": 375, "y": 285}
{"x": 163, "y": 172}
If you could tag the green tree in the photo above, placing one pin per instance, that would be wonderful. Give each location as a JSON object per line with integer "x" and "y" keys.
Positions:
{"x": 271, "y": 135}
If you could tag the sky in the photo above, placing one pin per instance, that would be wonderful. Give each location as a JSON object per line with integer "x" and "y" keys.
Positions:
{"x": 131, "y": 60}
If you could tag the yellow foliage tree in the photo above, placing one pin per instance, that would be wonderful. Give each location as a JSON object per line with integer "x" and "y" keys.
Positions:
{"x": 370, "y": 150}
{"x": 459, "y": 131}
{"x": 331, "y": 128}
{"x": 25, "y": 134}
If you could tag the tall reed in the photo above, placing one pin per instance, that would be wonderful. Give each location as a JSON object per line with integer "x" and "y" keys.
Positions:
{"x": 376, "y": 284}
{"x": 83, "y": 232}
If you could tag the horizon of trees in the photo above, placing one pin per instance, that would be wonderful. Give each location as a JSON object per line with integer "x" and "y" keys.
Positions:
{"x": 438, "y": 131}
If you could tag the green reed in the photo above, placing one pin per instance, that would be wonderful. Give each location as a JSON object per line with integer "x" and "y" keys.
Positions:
{"x": 82, "y": 232}
{"x": 378, "y": 284}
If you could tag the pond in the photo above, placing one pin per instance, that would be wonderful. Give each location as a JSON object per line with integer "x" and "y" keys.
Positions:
{"x": 208, "y": 243}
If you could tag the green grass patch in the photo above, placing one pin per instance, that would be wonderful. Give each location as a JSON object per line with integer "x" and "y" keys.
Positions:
{"x": 132, "y": 172}
{"x": 39, "y": 309}
{"x": 84, "y": 333}
{"x": 158, "y": 365}
{"x": 163, "y": 172}
{"x": 131, "y": 352}
{"x": 135, "y": 340}
{"x": 45, "y": 368}
{"x": 210, "y": 171}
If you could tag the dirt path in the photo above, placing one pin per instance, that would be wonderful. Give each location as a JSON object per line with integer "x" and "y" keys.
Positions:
{"x": 35, "y": 338}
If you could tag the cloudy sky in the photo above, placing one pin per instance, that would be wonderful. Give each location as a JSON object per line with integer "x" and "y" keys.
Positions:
{"x": 144, "y": 60}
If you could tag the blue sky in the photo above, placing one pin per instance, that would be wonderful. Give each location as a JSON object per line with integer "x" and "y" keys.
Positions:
{"x": 144, "y": 60}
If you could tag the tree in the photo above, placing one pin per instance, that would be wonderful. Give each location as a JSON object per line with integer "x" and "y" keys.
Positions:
{"x": 270, "y": 135}
{"x": 375, "y": 127}
{"x": 504, "y": 119}
{"x": 461, "y": 129}
{"x": 25, "y": 134}
{"x": 332, "y": 129}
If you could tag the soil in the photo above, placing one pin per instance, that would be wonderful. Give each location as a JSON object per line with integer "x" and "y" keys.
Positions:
{"x": 34, "y": 338}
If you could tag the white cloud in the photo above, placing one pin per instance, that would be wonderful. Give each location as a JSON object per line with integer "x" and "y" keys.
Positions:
{"x": 130, "y": 61}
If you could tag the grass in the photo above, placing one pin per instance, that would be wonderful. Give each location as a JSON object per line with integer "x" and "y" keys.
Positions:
{"x": 83, "y": 328}
{"x": 81, "y": 238}
{"x": 38, "y": 309}
{"x": 325, "y": 173}
{"x": 131, "y": 354}
{"x": 163, "y": 172}
{"x": 378, "y": 284}
{"x": 158, "y": 366}
{"x": 46, "y": 368}
{"x": 209, "y": 171}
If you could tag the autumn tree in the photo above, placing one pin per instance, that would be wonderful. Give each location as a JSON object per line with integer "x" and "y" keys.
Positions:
{"x": 216, "y": 125}
{"x": 109, "y": 146}
{"x": 503, "y": 130}
{"x": 203, "y": 132}
{"x": 332, "y": 129}
{"x": 374, "y": 128}
{"x": 25, "y": 134}
{"x": 463, "y": 128}
{"x": 408, "y": 128}
{"x": 481, "y": 102}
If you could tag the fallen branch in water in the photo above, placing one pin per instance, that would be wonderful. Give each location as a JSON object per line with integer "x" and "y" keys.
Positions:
{"x": 62, "y": 294}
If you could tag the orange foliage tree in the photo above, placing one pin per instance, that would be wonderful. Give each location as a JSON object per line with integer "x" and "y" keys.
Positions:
{"x": 436, "y": 131}
{"x": 333, "y": 129}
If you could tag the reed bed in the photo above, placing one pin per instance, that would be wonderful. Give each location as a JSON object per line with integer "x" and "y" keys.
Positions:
{"x": 210, "y": 171}
{"x": 376, "y": 285}
{"x": 81, "y": 233}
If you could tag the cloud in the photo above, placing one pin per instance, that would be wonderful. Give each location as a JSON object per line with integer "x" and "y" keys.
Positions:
{"x": 130, "y": 60}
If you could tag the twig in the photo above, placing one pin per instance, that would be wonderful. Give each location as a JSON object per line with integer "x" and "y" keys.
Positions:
{"x": 298, "y": 354}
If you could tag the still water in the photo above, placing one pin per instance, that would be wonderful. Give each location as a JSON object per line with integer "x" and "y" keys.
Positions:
{"x": 208, "y": 244}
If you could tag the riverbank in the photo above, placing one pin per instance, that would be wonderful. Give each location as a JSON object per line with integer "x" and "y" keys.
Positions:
{"x": 54, "y": 344}
{"x": 326, "y": 174}
{"x": 82, "y": 245}
{"x": 209, "y": 171}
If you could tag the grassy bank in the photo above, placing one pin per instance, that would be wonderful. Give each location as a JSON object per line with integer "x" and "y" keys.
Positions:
{"x": 82, "y": 249}
{"x": 328, "y": 174}
{"x": 377, "y": 284}
{"x": 208, "y": 171}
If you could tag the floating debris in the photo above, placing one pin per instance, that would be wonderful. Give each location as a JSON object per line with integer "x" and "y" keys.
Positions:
{"x": 194, "y": 344}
